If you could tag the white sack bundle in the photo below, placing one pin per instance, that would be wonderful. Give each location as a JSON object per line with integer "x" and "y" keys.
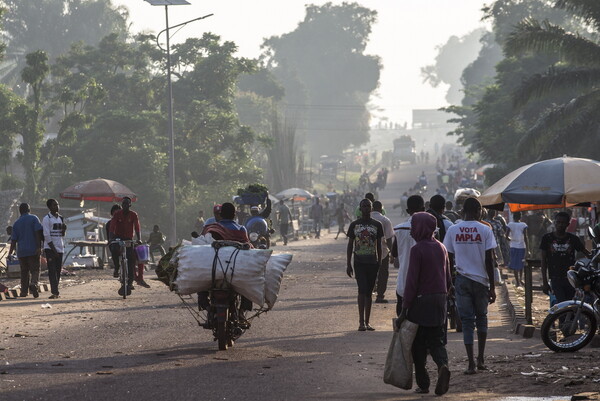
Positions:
{"x": 273, "y": 275}
{"x": 244, "y": 270}
{"x": 205, "y": 239}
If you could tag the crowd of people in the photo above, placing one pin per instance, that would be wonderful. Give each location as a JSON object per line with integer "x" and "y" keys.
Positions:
{"x": 440, "y": 254}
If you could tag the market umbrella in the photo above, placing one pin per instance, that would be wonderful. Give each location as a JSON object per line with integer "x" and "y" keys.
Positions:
{"x": 297, "y": 194}
{"x": 100, "y": 190}
{"x": 555, "y": 183}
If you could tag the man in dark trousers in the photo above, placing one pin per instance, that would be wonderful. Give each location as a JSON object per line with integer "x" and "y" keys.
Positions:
{"x": 123, "y": 225}
{"x": 27, "y": 234}
{"x": 54, "y": 231}
{"x": 558, "y": 253}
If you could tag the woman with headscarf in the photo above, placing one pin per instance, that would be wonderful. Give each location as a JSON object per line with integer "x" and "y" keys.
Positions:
{"x": 425, "y": 296}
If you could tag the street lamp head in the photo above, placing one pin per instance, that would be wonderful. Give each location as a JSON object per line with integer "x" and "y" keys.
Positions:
{"x": 167, "y": 2}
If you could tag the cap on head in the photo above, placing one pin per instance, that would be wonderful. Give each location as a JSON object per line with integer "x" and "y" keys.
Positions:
{"x": 254, "y": 209}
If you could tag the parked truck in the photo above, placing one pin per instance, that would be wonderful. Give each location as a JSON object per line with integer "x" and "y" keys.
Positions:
{"x": 404, "y": 150}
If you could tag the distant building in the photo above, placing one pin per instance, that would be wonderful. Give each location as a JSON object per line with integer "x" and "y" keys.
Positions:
{"x": 430, "y": 118}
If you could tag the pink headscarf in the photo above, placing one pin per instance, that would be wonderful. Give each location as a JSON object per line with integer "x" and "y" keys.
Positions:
{"x": 422, "y": 226}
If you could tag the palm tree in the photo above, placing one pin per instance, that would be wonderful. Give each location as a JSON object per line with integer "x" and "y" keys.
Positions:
{"x": 571, "y": 122}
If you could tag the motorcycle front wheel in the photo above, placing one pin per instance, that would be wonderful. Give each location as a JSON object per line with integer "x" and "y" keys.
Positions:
{"x": 564, "y": 332}
{"x": 222, "y": 335}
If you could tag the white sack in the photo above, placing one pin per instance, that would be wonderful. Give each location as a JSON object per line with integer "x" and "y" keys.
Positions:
{"x": 243, "y": 269}
{"x": 273, "y": 275}
{"x": 398, "y": 368}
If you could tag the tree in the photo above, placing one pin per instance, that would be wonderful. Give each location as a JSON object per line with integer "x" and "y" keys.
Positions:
{"x": 52, "y": 26}
{"x": 28, "y": 117}
{"x": 571, "y": 126}
{"x": 326, "y": 75}
{"x": 488, "y": 121}
{"x": 451, "y": 60}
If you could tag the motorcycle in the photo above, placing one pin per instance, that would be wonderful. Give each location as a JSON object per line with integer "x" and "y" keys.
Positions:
{"x": 258, "y": 241}
{"x": 571, "y": 325}
{"x": 223, "y": 310}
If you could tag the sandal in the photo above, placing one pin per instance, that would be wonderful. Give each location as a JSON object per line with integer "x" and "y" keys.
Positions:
{"x": 362, "y": 328}
{"x": 470, "y": 371}
{"x": 420, "y": 390}
{"x": 369, "y": 327}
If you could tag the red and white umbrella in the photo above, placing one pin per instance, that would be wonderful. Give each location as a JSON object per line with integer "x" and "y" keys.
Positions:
{"x": 100, "y": 190}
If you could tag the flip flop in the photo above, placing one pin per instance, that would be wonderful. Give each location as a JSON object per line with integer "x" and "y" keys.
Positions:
{"x": 470, "y": 371}
{"x": 481, "y": 367}
{"x": 370, "y": 328}
{"x": 420, "y": 390}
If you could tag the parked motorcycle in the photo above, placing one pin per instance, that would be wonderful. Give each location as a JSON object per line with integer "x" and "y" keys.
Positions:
{"x": 571, "y": 325}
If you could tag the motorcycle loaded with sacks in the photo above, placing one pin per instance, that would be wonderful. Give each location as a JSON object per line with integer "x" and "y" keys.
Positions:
{"x": 571, "y": 325}
{"x": 232, "y": 282}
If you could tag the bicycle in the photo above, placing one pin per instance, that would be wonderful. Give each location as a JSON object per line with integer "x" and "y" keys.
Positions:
{"x": 123, "y": 270}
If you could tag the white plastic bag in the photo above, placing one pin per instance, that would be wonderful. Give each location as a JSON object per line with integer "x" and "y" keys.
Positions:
{"x": 399, "y": 363}
{"x": 243, "y": 269}
{"x": 273, "y": 275}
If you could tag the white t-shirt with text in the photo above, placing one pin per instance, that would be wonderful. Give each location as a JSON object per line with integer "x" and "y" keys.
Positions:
{"x": 468, "y": 241}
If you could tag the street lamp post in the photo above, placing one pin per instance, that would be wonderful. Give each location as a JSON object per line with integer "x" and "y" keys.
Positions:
{"x": 172, "y": 200}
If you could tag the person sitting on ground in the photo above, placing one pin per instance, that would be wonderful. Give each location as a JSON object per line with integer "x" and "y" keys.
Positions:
{"x": 425, "y": 301}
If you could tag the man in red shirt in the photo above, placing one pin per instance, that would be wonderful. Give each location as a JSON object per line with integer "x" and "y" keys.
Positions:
{"x": 123, "y": 225}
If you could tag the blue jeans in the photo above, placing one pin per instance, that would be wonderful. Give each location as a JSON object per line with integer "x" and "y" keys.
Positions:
{"x": 472, "y": 304}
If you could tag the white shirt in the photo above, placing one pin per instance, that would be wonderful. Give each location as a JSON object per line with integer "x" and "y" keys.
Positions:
{"x": 404, "y": 242}
{"x": 468, "y": 241}
{"x": 517, "y": 234}
{"x": 388, "y": 232}
{"x": 52, "y": 227}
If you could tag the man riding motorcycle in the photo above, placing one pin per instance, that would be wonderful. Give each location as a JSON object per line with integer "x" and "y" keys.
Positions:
{"x": 257, "y": 224}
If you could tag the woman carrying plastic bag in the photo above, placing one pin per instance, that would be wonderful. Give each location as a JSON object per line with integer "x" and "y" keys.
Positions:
{"x": 424, "y": 304}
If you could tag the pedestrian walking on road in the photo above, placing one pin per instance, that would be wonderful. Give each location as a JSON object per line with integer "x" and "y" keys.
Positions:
{"x": 54, "y": 230}
{"x": 285, "y": 219}
{"x": 425, "y": 301}
{"x": 403, "y": 242}
{"x": 558, "y": 253}
{"x": 516, "y": 233}
{"x": 316, "y": 214}
{"x": 386, "y": 246}
{"x": 26, "y": 237}
{"x": 364, "y": 243}
{"x": 470, "y": 246}
{"x": 341, "y": 215}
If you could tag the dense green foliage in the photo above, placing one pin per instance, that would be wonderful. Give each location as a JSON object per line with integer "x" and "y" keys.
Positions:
{"x": 326, "y": 75}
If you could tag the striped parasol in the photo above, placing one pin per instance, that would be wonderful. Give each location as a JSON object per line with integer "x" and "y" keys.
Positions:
{"x": 548, "y": 184}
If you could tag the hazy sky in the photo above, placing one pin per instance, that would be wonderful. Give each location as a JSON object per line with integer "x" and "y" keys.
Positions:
{"x": 405, "y": 36}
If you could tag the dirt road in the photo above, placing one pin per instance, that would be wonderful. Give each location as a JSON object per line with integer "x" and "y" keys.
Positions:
{"x": 92, "y": 345}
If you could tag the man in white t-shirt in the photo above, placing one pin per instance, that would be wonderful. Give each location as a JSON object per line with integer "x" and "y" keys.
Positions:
{"x": 516, "y": 233}
{"x": 386, "y": 246}
{"x": 54, "y": 231}
{"x": 470, "y": 244}
{"x": 402, "y": 244}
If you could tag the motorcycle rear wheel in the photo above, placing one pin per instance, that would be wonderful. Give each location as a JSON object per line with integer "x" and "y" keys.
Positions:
{"x": 561, "y": 334}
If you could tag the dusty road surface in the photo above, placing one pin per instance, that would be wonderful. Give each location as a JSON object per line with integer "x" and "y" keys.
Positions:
{"x": 93, "y": 345}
